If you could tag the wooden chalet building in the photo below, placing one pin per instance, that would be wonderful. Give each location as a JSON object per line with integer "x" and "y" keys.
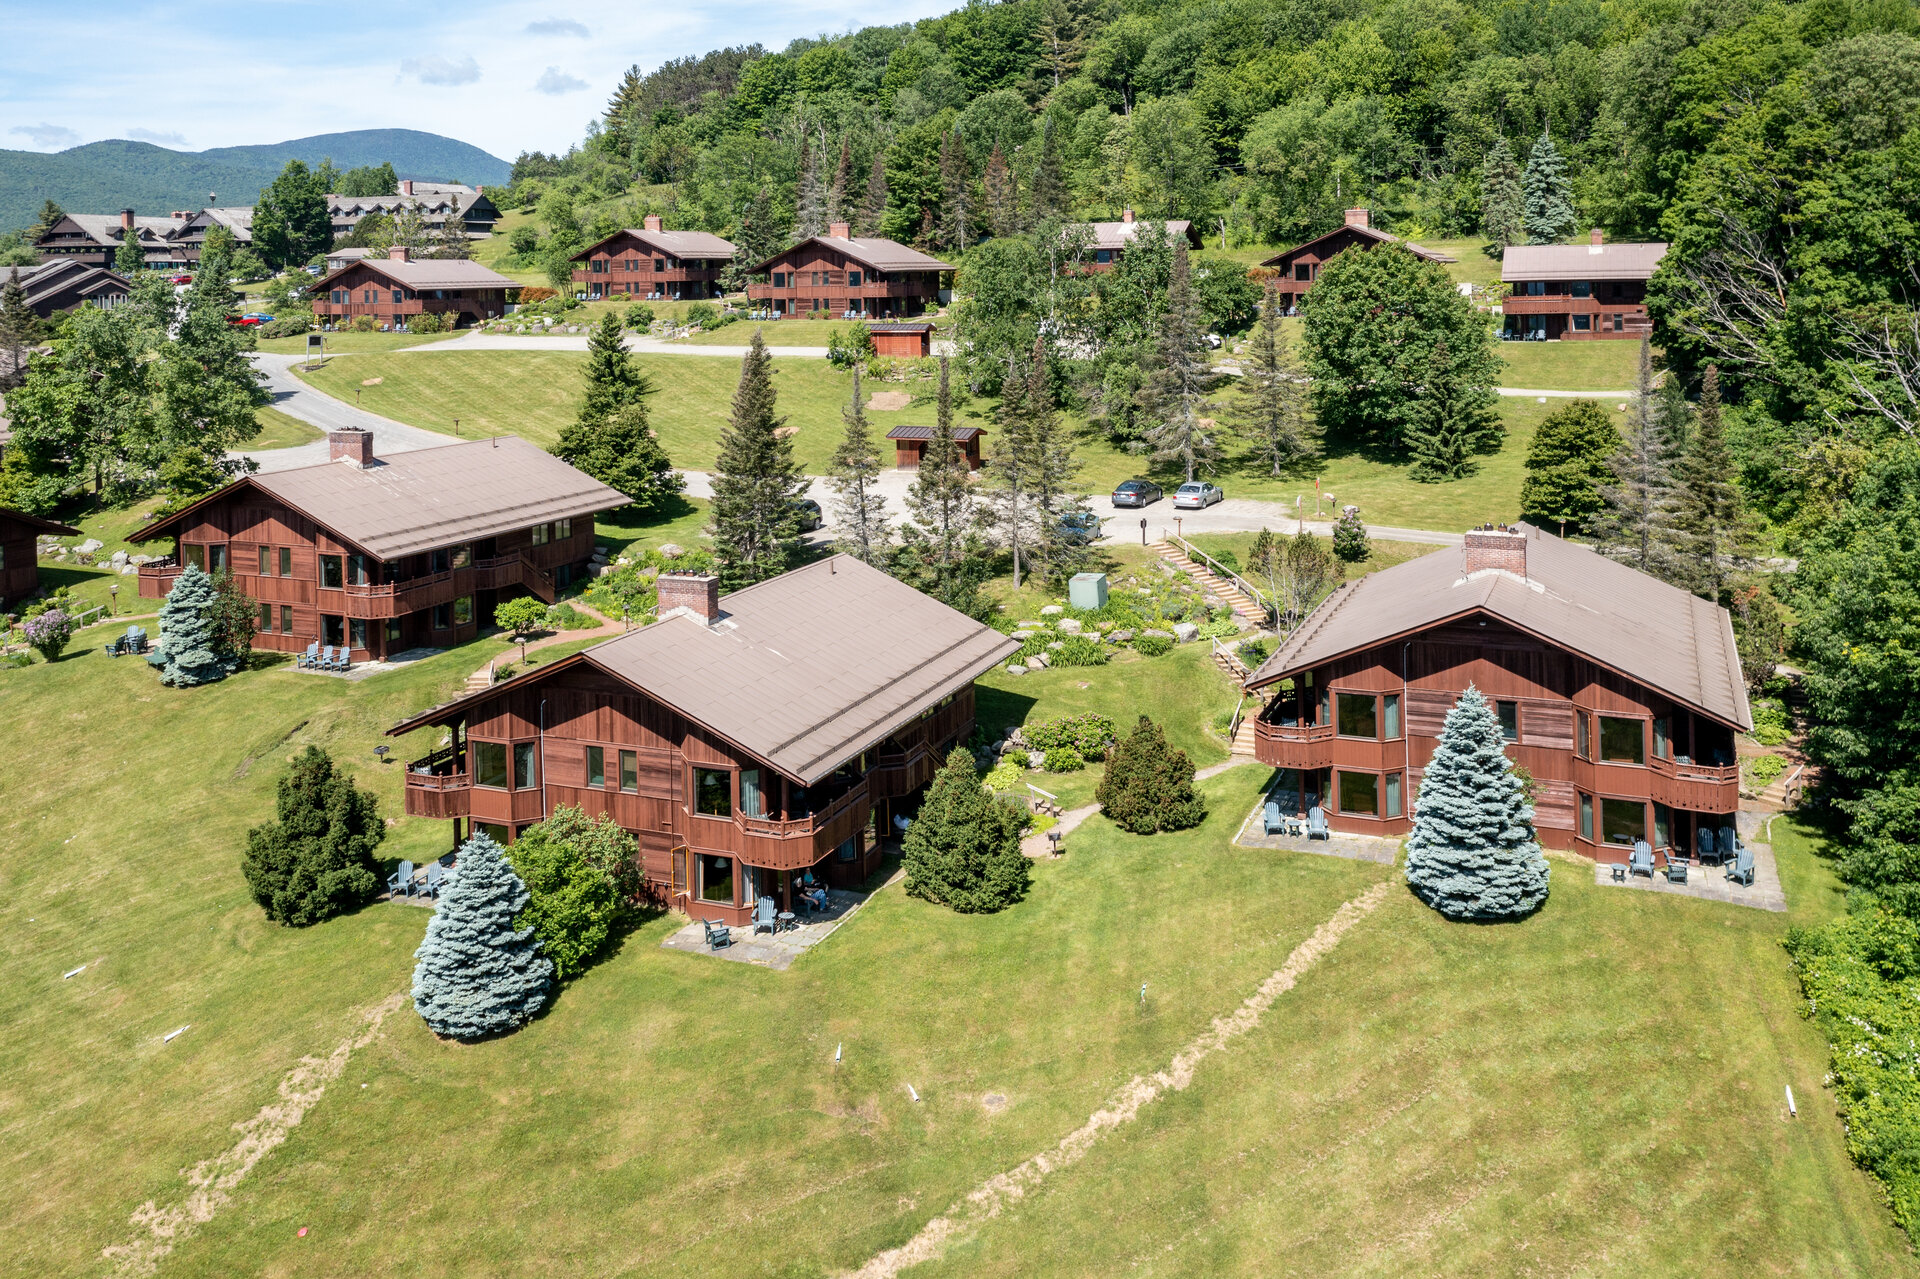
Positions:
{"x": 648, "y": 262}
{"x": 95, "y": 238}
{"x": 1299, "y": 267}
{"x": 839, "y": 276}
{"x": 380, "y": 555}
{"x": 910, "y": 445}
{"x": 19, "y": 553}
{"x": 741, "y": 739}
{"x": 189, "y": 236}
{"x": 1109, "y": 241}
{"x": 434, "y": 202}
{"x": 1620, "y": 694}
{"x": 1580, "y": 291}
{"x": 62, "y": 284}
{"x": 395, "y": 288}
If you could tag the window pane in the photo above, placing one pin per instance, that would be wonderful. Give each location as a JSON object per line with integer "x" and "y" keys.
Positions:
{"x": 1662, "y": 826}
{"x": 1622, "y": 820}
{"x": 849, "y": 850}
{"x": 1582, "y": 739}
{"x": 716, "y": 879}
{"x": 462, "y": 555}
{"x": 266, "y": 560}
{"x": 357, "y": 631}
{"x": 286, "y": 561}
{"x": 463, "y": 610}
{"x": 286, "y": 619}
{"x": 562, "y": 529}
{"x": 1325, "y": 715}
{"x": 216, "y": 557}
{"x": 1586, "y": 817}
{"x": 1662, "y": 738}
{"x": 1393, "y": 794}
{"x": 629, "y": 771}
{"x": 713, "y": 792}
{"x": 332, "y": 573}
{"x": 523, "y": 778}
{"x": 1390, "y": 707}
{"x": 1357, "y": 714}
{"x": 489, "y": 764}
{"x": 195, "y": 555}
{"x": 493, "y": 831}
{"x": 1622, "y": 741}
{"x": 266, "y": 617}
{"x": 753, "y": 801}
{"x": 596, "y": 766}
{"x": 1509, "y": 713}
{"x": 1359, "y": 793}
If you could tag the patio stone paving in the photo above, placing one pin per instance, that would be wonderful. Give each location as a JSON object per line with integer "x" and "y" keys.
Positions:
{"x": 1710, "y": 883}
{"x": 1359, "y": 848}
{"x": 777, "y": 950}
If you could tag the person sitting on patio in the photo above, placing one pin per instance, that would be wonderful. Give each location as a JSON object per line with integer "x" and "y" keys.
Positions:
{"x": 812, "y": 892}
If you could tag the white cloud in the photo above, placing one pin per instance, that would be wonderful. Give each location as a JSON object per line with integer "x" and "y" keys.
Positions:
{"x": 48, "y": 137}
{"x": 157, "y": 138}
{"x": 553, "y": 80}
{"x": 438, "y": 70}
{"x": 559, "y": 27}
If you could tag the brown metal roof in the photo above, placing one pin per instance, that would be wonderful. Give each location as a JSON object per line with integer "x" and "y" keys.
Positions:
{"x": 960, "y": 433}
{"x": 1372, "y": 233}
{"x": 1523, "y": 262}
{"x": 428, "y": 498}
{"x": 879, "y": 254}
{"x": 699, "y": 245}
{"x": 1653, "y": 633}
{"x": 1118, "y": 235}
{"x": 805, "y": 670}
{"x": 10, "y": 516}
{"x": 427, "y": 273}
{"x": 900, "y": 328}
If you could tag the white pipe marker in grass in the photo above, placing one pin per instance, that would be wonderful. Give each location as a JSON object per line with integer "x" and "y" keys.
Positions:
{"x": 74, "y": 973}
{"x": 911, "y": 1093}
{"x": 1791, "y": 1108}
{"x": 170, "y": 1035}
{"x": 836, "y": 1053}
{"x": 1143, "y": 992}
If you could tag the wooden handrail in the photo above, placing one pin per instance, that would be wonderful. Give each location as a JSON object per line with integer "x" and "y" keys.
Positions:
{"x": 1251, "y": 591}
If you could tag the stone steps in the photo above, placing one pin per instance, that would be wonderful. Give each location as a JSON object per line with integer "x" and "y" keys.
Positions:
{"x": 1238, "y": 600}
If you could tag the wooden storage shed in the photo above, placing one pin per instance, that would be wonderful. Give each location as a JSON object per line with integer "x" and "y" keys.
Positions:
{"x": 910, "y": 444}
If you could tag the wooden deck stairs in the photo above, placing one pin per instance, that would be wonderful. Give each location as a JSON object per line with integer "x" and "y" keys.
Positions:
{"x": 1212, "y": 583}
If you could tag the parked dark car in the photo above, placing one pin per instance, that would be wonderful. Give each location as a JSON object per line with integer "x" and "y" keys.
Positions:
{"x": 1137, "y": 493}
{"x": 811, "y": 517}
{"x": 1078, "y": 528}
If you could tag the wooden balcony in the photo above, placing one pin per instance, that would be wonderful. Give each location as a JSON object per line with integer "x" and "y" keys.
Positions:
{"x": 791, "y": 844}
{"x": 156, "y": 579}
{"x": 1699, "y": 788}
{"x": 397, "y": 599}
{"x": 1293, "y": 745}
{"x": 439, "y": 786}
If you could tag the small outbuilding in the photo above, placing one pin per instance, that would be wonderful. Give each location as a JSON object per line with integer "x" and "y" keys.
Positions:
{"x": 902, "y": 341}
{"x": 19, "y": 552}
{"x": 910, "y": 445}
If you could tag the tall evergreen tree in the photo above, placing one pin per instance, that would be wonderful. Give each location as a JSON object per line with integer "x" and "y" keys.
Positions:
{"x": 479, "y": 975}
{"x": 1549, "y": 195}
{"x": 1063, "y": 43}
{"x": 861, "y": 511}
{"x": 1569, "y": 464}
{"x": 1047, "y": 190}
{"x": 1147, "y": 785}
{"x": 1637, "y": 526}
{"x": 1053, "y": 466}
{"x": 623, "y": 453}
{"x": 1010, "y": 470}
{"x": 873, "y": 205}
{"x": 627, "y": 99}
{"x": 50, "y": 213}
{"x": 837, "y": 207}
{"x": 963, "y": 848}
{"x": 756, "y": 483}
{"x": 1503, "y": 205}
{"x": 1002, "y": 194}
{"x": 315, "y": 860}
{"x": 956, "y": 194}
{"x": 190, "y": 650}
{"x": 1451, "y": 422}
{"x": 1270, "y": 400}
{"x": 1180, "y": 377}
{"x": 453, "y": 243}
{"x": 614, "y": 379}
{"x": 810, "y": 196}
{"x": 130, "y": 258}
{"x": 1472, "y": 853}
{"x": 1708, "y": 518}
{"x": 940, "y": 498}
{"x": 19, "y": 330}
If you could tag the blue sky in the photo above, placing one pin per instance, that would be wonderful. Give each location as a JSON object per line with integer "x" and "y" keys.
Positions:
{"x": 501, "y": 74}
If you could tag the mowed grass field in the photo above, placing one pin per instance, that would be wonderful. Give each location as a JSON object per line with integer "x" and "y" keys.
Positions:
{"x": 1594, "y": 1091}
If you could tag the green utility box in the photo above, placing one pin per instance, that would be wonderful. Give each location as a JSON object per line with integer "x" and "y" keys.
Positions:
{"x": 1088, "y": 591}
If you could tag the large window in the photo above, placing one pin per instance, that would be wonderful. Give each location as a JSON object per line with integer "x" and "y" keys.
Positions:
{"x": 713, "y": 792}
{"x": 357, "y": 632}
{"x": 1622, "y": 741}
{"x": 1360, "y": 793}
{"x": 286, "y": 619}
{"x": 1663, "y": 738}
{"x": 266, "y": 561}
{"x": 1583, "y": 288}
{"x": 538, "y": 536}
{"x": 596, "y": 766}
{"x": 1582, "y": 735}
{"x": 1509, "y": 713}
{"x": 1393, "y": 795}
{"x": 1622, "y": 821}
{"x": 1390, "y": 716}
{"x": 333, "y": 573}
{"x": 463, "y": 610}
{"x": 1325, "y": 715}
{"x": 630, "y": 771}
{"x": 716, "y": 879}
{"x": 358, "y": 573}
{"x": 562, "y": 529}
{"x": 490, "y": 764}
{"x": 194, "y": 554}
{"x": 753, "y": 800}
{"x": 266, "y": 617}
{"x": 442, "y": 616}
{"x": 1586, "y": 817}
{"x": 1358, "y": 716}
{"x": 524, "y": 777}
{"x": 286, "y": 561}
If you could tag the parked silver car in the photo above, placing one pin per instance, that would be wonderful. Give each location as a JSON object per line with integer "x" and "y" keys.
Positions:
{"x": 1196, "y": 496}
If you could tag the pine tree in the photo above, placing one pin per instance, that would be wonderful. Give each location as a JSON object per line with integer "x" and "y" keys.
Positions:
{"x": 1180, "y": 376}
{"x": 1708, "y": 519}
{"x": 1472, "y": 853}
{"x": 1009, "y": 470}
{"x": 956, "y": 194}
{"x": 130, "y": 258}
{"x": 963, "y": 848}
{"x": 190, "y": 649}
{"x": 315, "y": 860}
{"x": 454, "y": 244}
{"x": 940, "y": 498}
{"x": 873, "y": 205}
{"x": 810, "y": 196}
{"x": 1052, "y": 466}
{"x": 1047, "y": 192}
{"x": 614, "y": 380}
{"x": 1350, "y": 537}
{"x": 756, "y": 482}
{"x": 1549, "y": 213}
{"x": 1569, "y": 463}
{"x": 1062, "y": 43}
{"x": 1451, "y": 421}
{"x": 1147, "y": 785}
{"x": 19, "y": 330}
{"x": 1636, "y": 526}
{"x": 1270, "y": 401}
{"x": 623, "y": 453}
{"x": 625, "y": 103}
{"x": 861, "y": 511}
{"x": 837, "y": 190}
{"x": 1002, "y": 195}
{"x": 479, "y": 975}
{"x": 50, "y": 213}
{"x": 1503, "y": 206}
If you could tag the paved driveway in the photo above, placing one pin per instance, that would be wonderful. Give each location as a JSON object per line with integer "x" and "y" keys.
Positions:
{"x": 316, "y": 408}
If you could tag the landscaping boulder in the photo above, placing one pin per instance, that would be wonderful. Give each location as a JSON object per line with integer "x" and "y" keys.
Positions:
{"x": 1154, "y": 630}
{"x": 1185, "y": 632}
{"x": 1016, "y": 670}
{"x": 1051, "y": 610}
{"x": 1068, "y": 626}
{"x": 118, "y": 558}
{"x": 1037, "y": 661}
{"x": 1023, "y": 636}
{"x": 1036, "y": 760}
{"x": 89, "y": 546}
{"x": 672, "y": 551}
{"x": 1055, "y": 647}
{"x": 1121, "y": 636}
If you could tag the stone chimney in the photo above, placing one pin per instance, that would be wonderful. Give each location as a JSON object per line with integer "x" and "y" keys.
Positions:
{"x": 1361, "y": 218}
{"x": 652, "y": 222}
{"x": 126, "y": 219}
{"x": 838, "y": 231}
{"x": 1126, "y": 215}
{"x": 350, "y": 444}
{"x": 1497, "y": 547}
{"x": 1595, "y": 239}
{"x": 690, "y": 593}
{"x": 399, "y": 253}
{"x": 406, "y": 186}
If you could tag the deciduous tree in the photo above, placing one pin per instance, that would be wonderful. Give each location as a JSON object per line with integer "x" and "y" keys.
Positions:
{"x": 290, "y": 220}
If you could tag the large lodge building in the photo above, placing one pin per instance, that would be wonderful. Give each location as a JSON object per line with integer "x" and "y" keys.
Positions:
{"x": 379, "y": 555}
{"x": 742, "y": 739}
{"x": 394, "y": 289}
{"x": 1618, "y": 693}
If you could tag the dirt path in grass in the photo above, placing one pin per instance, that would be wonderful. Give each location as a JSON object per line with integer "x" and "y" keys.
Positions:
{"x": 993, "y": 1196}
{"x": 212, "y": 1181}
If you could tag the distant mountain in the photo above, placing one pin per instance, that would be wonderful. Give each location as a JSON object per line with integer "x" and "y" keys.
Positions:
{"x": 105, "y": 177}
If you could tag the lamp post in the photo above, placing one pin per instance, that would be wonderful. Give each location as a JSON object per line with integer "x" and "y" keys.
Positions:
{"x": 113, "y": 598}
{"x": 1143, "y": 530}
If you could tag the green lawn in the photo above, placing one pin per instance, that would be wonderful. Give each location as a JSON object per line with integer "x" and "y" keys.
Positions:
{"x": 1599, "y": 365}
{"x": 343, "y": 343}
{"x": 279, "y": 431}
{"x": 1593, "y": 1091}
{"x": 776, "y": 332}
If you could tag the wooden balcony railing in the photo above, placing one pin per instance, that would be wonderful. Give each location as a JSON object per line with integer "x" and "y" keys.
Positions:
{"x": 439, "y": 785}
{"x": 156, "y": 578}
{"x": 803, "y": 827}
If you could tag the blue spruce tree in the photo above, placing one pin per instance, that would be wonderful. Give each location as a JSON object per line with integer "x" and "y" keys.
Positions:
{"x": 1549, "y": 216}
{"x": 190, "y": 651}
{"x": 1472, "y": 854}
{"x": 479, "y": 975}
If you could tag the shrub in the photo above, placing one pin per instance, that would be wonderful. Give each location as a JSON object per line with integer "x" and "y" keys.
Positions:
{"x": 536, "y": 293}
{"x": 287, "y": 326}
{"x": 639, "y": 316}
{"x": 315, "y": 860}
{"x": 1771, "y": 725}
{"x": 1064, "y": 759}
{"x": 1148, "y": 785}
{"x": 703, "y": 314}
{"x": 524, "y": 239}
{"x": 1090, "y": 734}
{"x": 1255, "y": 651}
{"x": 963, "y": 850}
{"x": 428, "y": 322}
{"x": 49, "y": 633}
{"x": 1762, "y": 769}
{"x": 520, "y": 617}
{"x": 1007, "y": 775}
{"x": 1152, "y": 645}
{"x": 363, "y": 324}
{"x": 1080, "y": 650}
{"x": 1225, "y": 558}
{"x": 570, "y": 865}
{"x": 854, "y": 347}
{"x": 1350, "y": 537}
{"x": 566, "y": 617}
{"x": 478, "y": 974}
{"x": 1223, "y": 628}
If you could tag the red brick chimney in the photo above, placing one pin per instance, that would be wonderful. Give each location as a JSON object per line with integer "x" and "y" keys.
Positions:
{"x": 126, "y": 219}
{"x": 838, "y": 230}
{"x": 1596, "y": 236}
{"x": 692, "y": 593}
{"x": 399, "y": 253}
{"x": 1360, "y": 218}
{"x": 351, "y": 444}
{"x": 1496, "y": 546}
{"x": 1126, "y": 215}
{"x": 406, "y": 186}
{"x": 652, "y": 222}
